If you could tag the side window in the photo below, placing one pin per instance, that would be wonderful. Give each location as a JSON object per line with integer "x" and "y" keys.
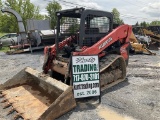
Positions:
{"x": 13, "y": 35}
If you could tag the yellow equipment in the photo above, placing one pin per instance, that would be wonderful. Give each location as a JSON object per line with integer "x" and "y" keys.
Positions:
{"x": 139, "y": 48}
{"x": 155, "y": 44}
{"x": 153, "y": 36}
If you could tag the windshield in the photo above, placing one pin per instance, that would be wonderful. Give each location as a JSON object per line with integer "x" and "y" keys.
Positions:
{"x": 5, "y": 36}
{"x": 13, "y": 35}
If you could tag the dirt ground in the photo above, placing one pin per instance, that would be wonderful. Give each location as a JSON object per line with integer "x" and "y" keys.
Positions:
{"x": 137, "y": 98}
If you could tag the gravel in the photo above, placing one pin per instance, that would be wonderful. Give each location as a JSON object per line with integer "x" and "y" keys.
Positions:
{"x": 137, "y": 97}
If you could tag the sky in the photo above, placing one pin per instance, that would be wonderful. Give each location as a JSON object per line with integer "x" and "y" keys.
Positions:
{"x": 131, "y": 11}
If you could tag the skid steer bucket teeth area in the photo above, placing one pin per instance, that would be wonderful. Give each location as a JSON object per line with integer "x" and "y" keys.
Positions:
{"x": 35, "y": 96}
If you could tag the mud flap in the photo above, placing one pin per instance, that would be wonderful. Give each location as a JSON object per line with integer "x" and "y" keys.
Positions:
{"x": 36, "y": 96}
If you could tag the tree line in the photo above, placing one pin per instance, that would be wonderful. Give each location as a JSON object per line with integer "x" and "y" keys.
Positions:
{"x": 28, "y": 10}
{"x": 146, "y": 24}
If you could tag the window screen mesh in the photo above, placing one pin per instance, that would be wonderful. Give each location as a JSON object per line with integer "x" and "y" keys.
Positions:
{"x": 96, "y": 27}
{"x": 96, "y": 24}
{"x": 69, "y": 26}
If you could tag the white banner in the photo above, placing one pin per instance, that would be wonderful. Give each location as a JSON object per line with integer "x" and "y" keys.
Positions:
{"x": 85, "y": 76}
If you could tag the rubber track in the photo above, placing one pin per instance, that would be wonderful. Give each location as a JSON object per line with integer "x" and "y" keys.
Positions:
{"x": 108, "y": 68}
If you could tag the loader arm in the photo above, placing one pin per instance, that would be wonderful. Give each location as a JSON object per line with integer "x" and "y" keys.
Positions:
{"x": 50, "y": 53}
{"x": 121, "y": 33}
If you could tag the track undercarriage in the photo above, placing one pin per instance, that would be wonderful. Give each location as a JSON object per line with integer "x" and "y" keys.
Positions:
{"x": 112, "y": 70}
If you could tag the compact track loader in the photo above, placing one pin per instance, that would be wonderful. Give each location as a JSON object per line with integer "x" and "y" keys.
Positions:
{"x": 80, "y": 31}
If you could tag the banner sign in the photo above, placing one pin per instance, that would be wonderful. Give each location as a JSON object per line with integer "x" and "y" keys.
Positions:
{"x": 85, "y": 76}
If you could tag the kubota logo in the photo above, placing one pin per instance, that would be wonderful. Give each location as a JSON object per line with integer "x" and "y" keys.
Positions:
{"x": 105, "y": 43}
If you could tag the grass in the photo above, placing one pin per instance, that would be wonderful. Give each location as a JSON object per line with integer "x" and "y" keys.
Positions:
{"x": 4, "y": 49}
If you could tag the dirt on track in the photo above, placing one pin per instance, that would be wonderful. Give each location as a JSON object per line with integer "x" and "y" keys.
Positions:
{"x": 137, "y": 98}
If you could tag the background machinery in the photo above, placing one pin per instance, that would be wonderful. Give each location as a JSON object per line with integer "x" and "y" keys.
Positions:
{"x": 141, "y": 36}
{"x": 36, "y": 35}
{"x": 139, "y": 42}
{"x": 154, "y": 36}
{"x": 79, "y": 32}
{"x": 154, "y": 33}
{"x": 155, "y": 29}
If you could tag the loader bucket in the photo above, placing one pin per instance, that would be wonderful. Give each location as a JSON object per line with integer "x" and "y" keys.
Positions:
{"x": 35, "y": 96}
{"x": 141, "y": 48}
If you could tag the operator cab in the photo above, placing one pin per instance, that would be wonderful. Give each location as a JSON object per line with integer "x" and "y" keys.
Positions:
{"x": 88, "y": 27}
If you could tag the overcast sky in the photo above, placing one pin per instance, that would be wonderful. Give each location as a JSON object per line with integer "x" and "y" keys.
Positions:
{"x": 131, "y": 10}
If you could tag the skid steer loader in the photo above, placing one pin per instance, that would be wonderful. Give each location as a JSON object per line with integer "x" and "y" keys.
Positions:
{"x": 80, "y": 31}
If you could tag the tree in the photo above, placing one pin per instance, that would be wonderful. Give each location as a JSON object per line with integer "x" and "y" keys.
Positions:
{"x": 52, "y": 8}
{"x": 116, "y": 17}
{"x": 74, "y": 26}
{"x": 137, "y": 24}
{"x": 1, "y": 4}
{"x": 4, "y": 20}
{"x": 144, "y": 24}
{"x": 25, "y": 8}
{"x": 155, "y": 23}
